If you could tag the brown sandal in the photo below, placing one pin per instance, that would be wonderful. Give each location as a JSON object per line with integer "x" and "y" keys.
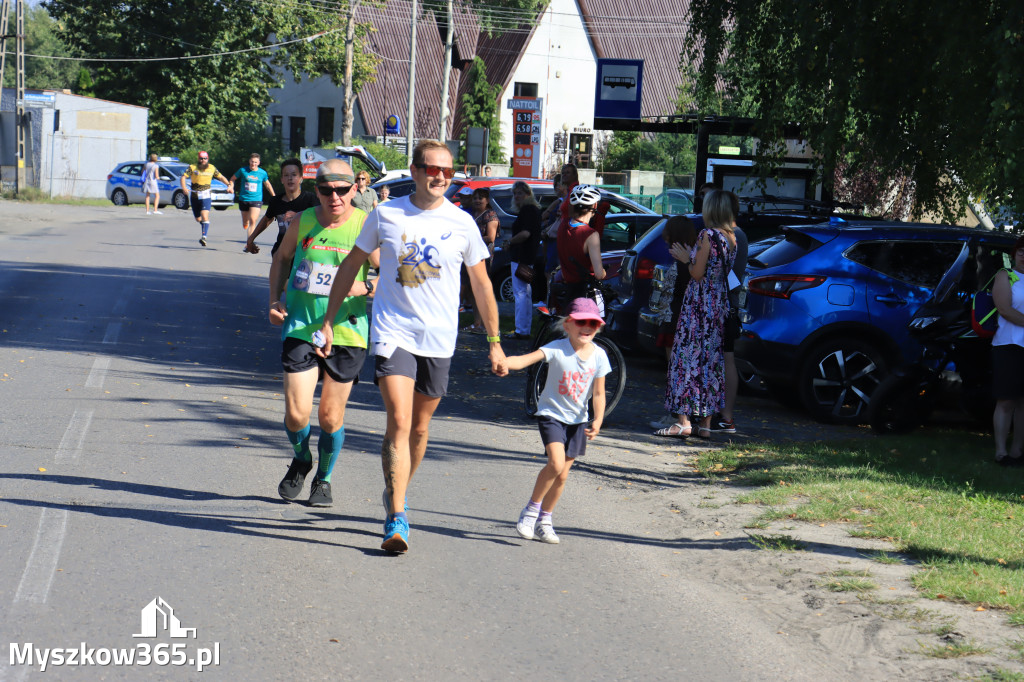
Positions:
{"x": 676, "y": 430}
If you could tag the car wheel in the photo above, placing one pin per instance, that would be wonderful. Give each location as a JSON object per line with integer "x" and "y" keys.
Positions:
{"x": 119, "y": 197}
{"x": 180, "y": 200}
{"x": 837, "y": 379}
{"x": 503, "y": 286}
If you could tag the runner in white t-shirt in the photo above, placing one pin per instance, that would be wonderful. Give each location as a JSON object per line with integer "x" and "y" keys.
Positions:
{"x": 424, "y": 241}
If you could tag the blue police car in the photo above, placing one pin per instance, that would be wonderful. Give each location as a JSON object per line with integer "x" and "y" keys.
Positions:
{"x": 124, "y": 185}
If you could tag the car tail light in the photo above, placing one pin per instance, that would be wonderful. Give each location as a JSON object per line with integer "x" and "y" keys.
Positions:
{"x": 110, "y": 176}
{"x": 783, "y": 286}
{"x": 645, "y": 268}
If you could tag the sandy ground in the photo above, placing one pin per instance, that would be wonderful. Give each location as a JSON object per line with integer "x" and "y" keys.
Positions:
{"x": 883, "y": 635}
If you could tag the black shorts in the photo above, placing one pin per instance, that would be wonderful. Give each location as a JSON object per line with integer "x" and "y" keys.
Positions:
{"x": 1008, "y": 380}
{"x": 431, "y": 374}
{"x": 572, "y": 436}
{"x": 732, "y": 332}
{"x": 343, "y": 364}
{"x": 244, "y": 205}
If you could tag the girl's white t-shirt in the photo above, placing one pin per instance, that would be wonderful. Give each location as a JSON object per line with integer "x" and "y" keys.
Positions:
{"x": 570, "y": 381}
{"x": 416, "y": 301}
{"x": 1008, "y": 333}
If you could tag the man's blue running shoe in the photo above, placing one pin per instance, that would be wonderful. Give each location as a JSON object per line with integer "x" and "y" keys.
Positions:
{"x": 396, "y": 535}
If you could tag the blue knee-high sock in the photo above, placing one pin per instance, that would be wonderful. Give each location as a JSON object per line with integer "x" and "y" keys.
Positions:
{"x": 329, "y": 447}
{"x": 206, "y": 227}
{"x": 300, "y": 442}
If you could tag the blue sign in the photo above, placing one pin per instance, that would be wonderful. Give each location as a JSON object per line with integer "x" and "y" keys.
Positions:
{"x": 392, "y": 125}
{"x": 619, "y": 88}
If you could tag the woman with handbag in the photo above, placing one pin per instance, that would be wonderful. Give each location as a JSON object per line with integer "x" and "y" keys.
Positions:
{"x": 523, "y": 254}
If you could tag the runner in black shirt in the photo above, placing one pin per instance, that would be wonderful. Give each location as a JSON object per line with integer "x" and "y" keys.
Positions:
{"x": 284, "y": 206}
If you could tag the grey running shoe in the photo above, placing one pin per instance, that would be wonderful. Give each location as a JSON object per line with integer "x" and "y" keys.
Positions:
{"x": 546, "y": 532}
{"x": 291, "y": 485}
{"x": 320, "y": 494}
{"x": 527, "y": 521}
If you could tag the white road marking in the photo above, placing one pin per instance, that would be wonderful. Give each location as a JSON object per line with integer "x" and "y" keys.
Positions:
{"x": 113, "y": 331}
{"x": 74, "y": 435}
{"x": 98, "y": 373}
{"x": 42, "y": 562}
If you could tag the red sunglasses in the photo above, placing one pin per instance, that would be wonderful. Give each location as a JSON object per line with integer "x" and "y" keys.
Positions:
{"x": 587, "y": 323}
{"x": 433, "y": 170}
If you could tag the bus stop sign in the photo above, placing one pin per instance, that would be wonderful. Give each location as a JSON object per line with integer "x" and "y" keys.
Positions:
{"x": 619, "y": 88}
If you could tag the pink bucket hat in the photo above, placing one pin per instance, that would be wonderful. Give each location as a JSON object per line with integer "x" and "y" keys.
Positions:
{"x": 585, "y": 309}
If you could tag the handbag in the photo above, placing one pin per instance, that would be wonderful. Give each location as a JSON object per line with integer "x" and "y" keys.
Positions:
{"x": 524, "y": 272}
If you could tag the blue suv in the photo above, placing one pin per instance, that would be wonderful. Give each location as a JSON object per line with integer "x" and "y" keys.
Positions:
{"x": 828, "y": 306}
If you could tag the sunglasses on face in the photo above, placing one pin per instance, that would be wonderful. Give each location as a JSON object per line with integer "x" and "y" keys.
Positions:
{"x": 433, "y": 170}
{"x": 587, "y": 323}
{"x": 326, "y": 191}
{"x": 204, "y": 158}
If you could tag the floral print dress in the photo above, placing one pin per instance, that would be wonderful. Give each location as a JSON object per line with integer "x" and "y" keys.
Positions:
{"x": 696, "y": 372}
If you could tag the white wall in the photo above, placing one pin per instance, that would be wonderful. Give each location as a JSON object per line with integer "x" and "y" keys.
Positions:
{"x": 562, "y": 62}
{"x": 94, "y": 136}
{"x": 303, "y": 99}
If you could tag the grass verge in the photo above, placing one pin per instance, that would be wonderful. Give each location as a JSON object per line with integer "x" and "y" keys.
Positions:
{"x": 35, "y": 195}
{"x": 935, "y": 495}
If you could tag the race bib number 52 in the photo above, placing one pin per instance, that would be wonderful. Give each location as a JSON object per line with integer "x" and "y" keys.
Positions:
{"x": 314, "y": 278}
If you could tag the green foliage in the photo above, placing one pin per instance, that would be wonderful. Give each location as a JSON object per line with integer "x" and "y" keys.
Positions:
{"x": 881, "y": 85}
{"x": 230, "y": 150}
{"x": 480, "y": 108}
{"x": 627, "y": 150}
{"x": 41, "y": 39}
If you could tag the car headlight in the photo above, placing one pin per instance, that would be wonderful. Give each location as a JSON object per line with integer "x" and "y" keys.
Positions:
{"x": 923, "y": 322}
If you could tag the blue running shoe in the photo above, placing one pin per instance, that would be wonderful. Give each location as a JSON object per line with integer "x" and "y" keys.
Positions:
{"x": 396, "y": 535}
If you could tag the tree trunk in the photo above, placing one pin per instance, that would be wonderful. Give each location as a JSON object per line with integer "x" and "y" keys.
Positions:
{"x": 350, "y": 39}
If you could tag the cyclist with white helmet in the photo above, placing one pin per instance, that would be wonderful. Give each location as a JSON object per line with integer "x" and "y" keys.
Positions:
{"x": 579, "y": 245}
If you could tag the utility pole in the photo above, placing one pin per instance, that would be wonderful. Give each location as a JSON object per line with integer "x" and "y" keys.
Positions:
{"x": 350, "y": 39}
{"x": 443, "y": 127}
{"x": 19, "y": 61}
{"x": 5, "y": 10}
{"x": 410, "y": 122}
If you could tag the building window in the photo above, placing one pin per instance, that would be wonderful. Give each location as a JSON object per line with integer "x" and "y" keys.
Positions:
{"x": 525, "y": 89}
{"x": 325, "y": 125}
{"x": 296, "y": 133}
{"x": 277, "y": 125}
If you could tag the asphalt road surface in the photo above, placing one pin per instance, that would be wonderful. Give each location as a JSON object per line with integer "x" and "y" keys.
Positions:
{"x": 141, "y": 443}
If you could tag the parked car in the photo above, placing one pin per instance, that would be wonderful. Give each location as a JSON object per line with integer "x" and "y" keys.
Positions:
{"x": 640, "y": 262}
{"x": 828, "y": 306}
{"x": 124, "y": 185}
{"x": 674, "y": 202}
{"x": 624, "y": 222}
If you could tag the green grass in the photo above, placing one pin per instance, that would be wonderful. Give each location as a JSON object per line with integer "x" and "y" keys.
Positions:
{"x": 1002, "y": 675}
{"x": 882, "y": 557}
{"x": 778, "y": 543}
{"x": 952, "y": 650}
{"x": 934, "y": 495}
{"x": 34, "y": 195}
{"x": 848, "y": 581}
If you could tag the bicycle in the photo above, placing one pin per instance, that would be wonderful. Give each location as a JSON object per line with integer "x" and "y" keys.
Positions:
{"x": 551, "y": 329}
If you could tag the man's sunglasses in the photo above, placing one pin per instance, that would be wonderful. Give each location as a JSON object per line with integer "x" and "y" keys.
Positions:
{"x": 328, "y": 191}
{"x": 587, "y": 323}
{"x": 432, "y": 170}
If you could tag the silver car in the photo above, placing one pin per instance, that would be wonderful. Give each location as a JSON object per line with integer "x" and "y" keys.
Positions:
{"x": 124, "y": 185}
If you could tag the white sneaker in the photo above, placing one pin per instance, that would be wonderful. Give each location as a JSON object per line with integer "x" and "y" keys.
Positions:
{"x": 158, "y": 212}
{"x": 546, "y": 532}
{"x": 527, "y": 520}
{"x": 148, "y": 212}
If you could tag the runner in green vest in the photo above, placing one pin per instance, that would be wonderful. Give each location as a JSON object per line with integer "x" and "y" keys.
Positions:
{"x": 304, "y": 267}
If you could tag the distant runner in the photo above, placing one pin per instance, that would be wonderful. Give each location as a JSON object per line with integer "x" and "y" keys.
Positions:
{"x": 202, "y": 175}
{"x": 250, "y": 195}
{"x": 283, "y": 207}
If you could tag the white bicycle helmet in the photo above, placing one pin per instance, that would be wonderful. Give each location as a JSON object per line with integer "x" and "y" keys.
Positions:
{"x": 584, "y": 195}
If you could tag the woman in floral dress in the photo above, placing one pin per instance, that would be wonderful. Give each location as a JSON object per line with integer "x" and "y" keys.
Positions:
{"x": 696, "y": 372}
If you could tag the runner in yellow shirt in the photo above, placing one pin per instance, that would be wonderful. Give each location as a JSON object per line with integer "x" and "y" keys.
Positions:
{"x": 202, "y": 175}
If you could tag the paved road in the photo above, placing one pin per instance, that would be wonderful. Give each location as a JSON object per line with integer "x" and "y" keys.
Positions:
{"x": 141, "y": 446}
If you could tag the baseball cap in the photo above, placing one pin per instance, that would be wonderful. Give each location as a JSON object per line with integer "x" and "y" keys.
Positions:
{"x": 585, "y": 309}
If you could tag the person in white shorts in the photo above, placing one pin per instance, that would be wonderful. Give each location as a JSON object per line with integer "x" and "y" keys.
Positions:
{"x": 424, "y": 239}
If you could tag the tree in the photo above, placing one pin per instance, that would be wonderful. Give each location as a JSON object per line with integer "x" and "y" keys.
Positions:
{"x": 217, "y": 81}
{"x": 925, "y": 91}
{"x": 480, "y": 107}
{"x": 41, "y": 39}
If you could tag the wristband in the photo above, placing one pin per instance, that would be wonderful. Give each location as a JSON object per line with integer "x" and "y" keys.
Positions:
{"x": 493, "y": 339}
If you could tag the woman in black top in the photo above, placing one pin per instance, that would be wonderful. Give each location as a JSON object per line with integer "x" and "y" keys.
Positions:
{"x": 523, "y": 253}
